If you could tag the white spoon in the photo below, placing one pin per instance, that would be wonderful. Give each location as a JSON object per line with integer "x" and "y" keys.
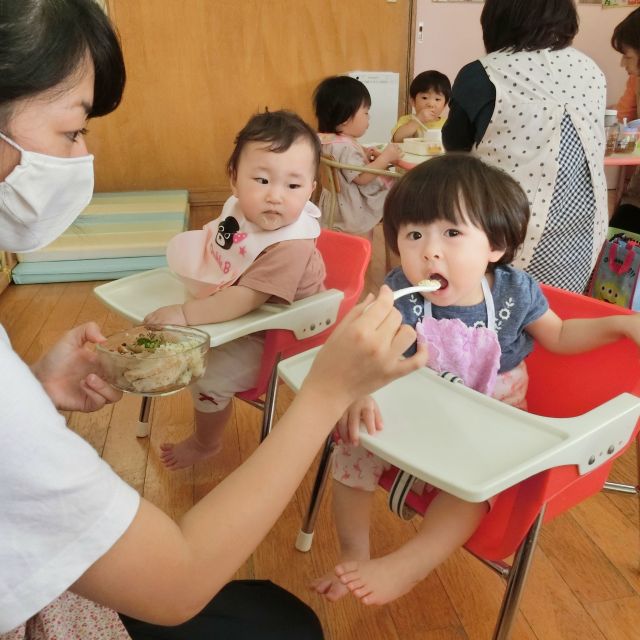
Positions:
{"x": 425, "y": 286}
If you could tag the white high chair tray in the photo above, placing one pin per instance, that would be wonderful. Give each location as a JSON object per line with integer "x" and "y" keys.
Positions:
{"x": 474, "y": 446}
{"x": 135, "y": 296}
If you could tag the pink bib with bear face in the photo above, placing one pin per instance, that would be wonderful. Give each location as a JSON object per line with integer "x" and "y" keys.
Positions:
{"x": 215, "y": 257}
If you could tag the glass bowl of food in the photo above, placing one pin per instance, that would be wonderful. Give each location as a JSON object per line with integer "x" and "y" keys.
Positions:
{"x": 153, "y": 360}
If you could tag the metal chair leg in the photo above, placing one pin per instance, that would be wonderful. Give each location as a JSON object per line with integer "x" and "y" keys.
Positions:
{"x": 305, "y": 535}
{"x": 143, "y": 429}
{"x": 517, "y": 578}
{"x": 629, "y": 488}
{"x": 269, "y": 408}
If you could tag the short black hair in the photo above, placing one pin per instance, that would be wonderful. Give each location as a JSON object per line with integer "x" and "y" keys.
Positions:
{"x": 431, "y": 80}
{"x": 44, "y": 42}
{"x": 528, "y": 25}
{"x": 626, "y": 35}
{"x": 336, "y": 99}
{"x": 278, "y": 128}
{"x": 447, "y": 187}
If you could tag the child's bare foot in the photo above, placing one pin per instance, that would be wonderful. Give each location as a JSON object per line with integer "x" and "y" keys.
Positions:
{"x": 330, "y": 587}
{"x": 186, "y": 453}
{"x": 380, "y": 580}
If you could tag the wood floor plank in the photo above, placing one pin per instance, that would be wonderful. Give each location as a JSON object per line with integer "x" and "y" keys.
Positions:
{"x": 127, "y": 454}
{"x": 590, "y": 574}
{"x": 450, "y": 633}
{"x": 618, "y": 619}
{"x": 61, "y": 318}
{"x": 15, "y": 299}
{"x": 93, "y": 427}
{"x": 172, "y": 491}
{"x": 34, "y": 317}
{"x": 616, "y": 536}
{"x": 476, "y": 593}
{"x": 552, "y": 610}
{"x": 93, "y": 309}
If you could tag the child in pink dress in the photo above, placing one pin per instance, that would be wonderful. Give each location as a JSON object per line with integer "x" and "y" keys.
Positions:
{"x": 342, "y": 106}
{"x": 261, "y": 248}
{"x": 460, "y": 222}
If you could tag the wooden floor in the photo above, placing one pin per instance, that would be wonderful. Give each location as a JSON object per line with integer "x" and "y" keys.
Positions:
{"x": 584, "y": 584}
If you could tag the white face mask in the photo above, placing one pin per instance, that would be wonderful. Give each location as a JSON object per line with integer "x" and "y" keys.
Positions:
{"x": 41, "y": 198}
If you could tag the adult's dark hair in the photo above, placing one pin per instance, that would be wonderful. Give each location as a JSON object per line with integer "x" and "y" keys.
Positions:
{"x": 626, "y": 35}
{"x": 336, "y": 99}
{"x": 431, "y": 81}
{"x": 44, "y": 42}
{"x": 459, "y": 187}
{"x": 528, "y": 25}
{"x": 279, "y": 129}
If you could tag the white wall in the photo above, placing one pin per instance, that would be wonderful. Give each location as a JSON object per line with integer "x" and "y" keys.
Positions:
{"x": 453, "y": 37}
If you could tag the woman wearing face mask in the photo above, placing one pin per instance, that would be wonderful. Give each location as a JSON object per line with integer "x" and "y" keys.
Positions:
{"x": 76, "y": 543}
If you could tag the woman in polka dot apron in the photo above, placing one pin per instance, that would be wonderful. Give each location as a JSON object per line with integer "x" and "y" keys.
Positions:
{"x": 534, "y": 106}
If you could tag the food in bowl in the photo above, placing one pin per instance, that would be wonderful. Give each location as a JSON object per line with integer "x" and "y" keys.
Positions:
{"x": 153, "y": 360}
{"x": 430, "y": 146}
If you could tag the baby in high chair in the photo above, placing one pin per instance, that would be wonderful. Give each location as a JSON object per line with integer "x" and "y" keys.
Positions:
{"x": 458, "y": 221}
{"x": 261, "y": 248}
{"x": 342, "y": 106}
{"x": 430, "y": 93}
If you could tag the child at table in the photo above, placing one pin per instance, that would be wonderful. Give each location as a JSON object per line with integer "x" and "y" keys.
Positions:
{"x": 430, "y": 93}
{"x": 626, "y": 40}
{"x": 458, "y": 221}
{"x": 342, "y": 105}
{"x": 261, "y": 248}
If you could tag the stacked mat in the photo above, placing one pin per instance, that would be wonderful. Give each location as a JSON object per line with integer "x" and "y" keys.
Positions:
{"x": 117, "y": 235}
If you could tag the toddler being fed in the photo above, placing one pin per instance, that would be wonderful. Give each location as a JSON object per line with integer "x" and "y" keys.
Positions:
{"x": 458, "y": 221}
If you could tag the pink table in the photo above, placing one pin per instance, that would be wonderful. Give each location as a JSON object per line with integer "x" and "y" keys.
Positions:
{"x": 626, "y": 162}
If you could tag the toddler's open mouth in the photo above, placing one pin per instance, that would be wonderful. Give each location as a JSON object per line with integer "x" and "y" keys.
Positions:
{"x": 444, "y": 283}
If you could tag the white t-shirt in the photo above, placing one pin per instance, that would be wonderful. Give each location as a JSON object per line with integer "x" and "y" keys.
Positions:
{"x": 61, "y": 506}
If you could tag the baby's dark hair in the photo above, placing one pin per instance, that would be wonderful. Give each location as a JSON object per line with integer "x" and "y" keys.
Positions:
{"x": 626, "y": 35}
{"x": 454, "y": 185}
{"x": 336, "y": 99}
{"x": 431, "y": 80}
{"x": 278, "y": 128}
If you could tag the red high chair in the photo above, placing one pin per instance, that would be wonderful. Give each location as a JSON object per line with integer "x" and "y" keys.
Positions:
{"x": 346, "y": 259}
{"x": 560, "y": 386}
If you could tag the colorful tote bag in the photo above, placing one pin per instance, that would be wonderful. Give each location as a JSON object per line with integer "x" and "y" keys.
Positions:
{"x": 615, "y": 276}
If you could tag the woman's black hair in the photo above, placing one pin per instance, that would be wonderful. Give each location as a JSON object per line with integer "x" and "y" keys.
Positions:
{"x": 528, "y": 25}
{"x": 431, "y": 80}
{"x": 44, "y": 42}
{"x": 626, "y": 35}
{"x": 336, "y": 99}
{"x": 280, "y": 129}
{"x": 459, "y": 187}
